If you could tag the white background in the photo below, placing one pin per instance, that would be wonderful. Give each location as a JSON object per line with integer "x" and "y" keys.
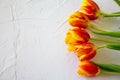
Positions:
{"x": 32, "y": 40}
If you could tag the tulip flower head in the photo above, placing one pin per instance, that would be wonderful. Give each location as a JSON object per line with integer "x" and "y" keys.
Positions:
{"x": 85, "y": 51}
{"x": 91, "y": 9}
{"x": 76, "y": 35}
{"x": 78, "y": 19}
{"x": 87, "y": 68}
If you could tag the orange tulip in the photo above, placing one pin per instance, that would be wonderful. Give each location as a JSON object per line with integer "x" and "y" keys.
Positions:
{"x": 87, "y": 68}
{"x": 85, "y": 51}
{"x": 91, "y": 9}
{"x": 78, "y": 19}
{"x": 76, "y": 35}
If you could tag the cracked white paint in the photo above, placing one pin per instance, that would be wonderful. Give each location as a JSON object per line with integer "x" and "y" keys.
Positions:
{"x": 32, "y": 40}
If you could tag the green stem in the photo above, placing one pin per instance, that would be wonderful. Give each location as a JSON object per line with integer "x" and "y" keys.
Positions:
{"x": 110, "y": 15}
{"x": 102, "y": 46}
{"x": 101, "y": 31}
{"x": 114, "y": 68}
{"x": 109, "y": 68}
{"x": 118, "y": 2}
{"x": 107, "y": 33}
{"x": 97, "y": 28}
{"x": 105, "y": 40}
{"x": 114, "y": 46}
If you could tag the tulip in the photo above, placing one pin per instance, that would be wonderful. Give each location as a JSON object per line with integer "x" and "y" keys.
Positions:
{"x": 91, "y": 9}
{"x": 87, "y": 68}
{"x": 78, "y": 19}
{"x": 85, "y": 51}
{"x": 76, "y": 35}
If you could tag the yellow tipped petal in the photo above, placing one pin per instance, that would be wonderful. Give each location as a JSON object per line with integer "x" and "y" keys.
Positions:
{"x": 87, "y": 68}
{"x": 78, "y": 19}
{"x": 91, "y": 9}
{"x": 85, "y": 51}
{"x": 76, "y": 35}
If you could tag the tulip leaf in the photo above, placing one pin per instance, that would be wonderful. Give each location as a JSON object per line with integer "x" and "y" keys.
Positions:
{"x": 109, "y": 33}
{"x": 117, "y": 1}
{"x": 110, "y": 67}
{"x": 115, "y": 46}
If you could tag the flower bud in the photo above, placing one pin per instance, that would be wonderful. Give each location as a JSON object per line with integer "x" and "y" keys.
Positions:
{"x": 91, "y": 9}
{"x": 85, "y": 51}
{"x": 76, "y": 35}
{"x": 87, "y": 68}
{"x": 78, "y": 19}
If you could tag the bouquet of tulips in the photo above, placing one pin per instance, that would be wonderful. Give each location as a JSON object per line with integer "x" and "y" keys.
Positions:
{"x": 78, "y": 39}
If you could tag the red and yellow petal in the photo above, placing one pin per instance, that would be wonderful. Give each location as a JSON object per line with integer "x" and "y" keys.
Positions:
{"x": 88, "y": 56}
{"x": 87, "y": 68}
{"x": 85, "y": 51}
{"x": 78, "y": 19}
{"x": 80, "y": 34}
{"x": 91, "y": 9}
{"x": 76, "y": 35}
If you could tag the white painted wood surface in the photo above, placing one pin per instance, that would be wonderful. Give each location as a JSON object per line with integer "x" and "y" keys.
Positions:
{"x": 32, "y": 40}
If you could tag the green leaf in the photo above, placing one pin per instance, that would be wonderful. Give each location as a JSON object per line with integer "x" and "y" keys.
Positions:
{"x": 118, "y": 2}
{"x": 110, "y": 67}
{"x": 109, "y": 33}
{"x": 115, "y": 46}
